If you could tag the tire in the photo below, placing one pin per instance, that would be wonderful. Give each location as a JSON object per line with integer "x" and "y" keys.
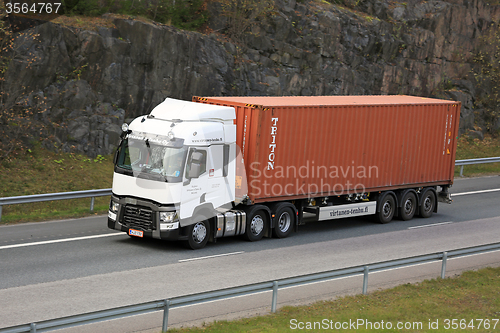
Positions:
{"x": 198, "y": 235}
{"x": 284, "y": 222}
{"x": 256, "y": 224}
{"x": 408, "y": 206}
{"x": 428, "y": 203}
{"x": 387, "y": 209}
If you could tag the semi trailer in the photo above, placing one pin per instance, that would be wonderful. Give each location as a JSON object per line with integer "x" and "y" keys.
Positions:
{"x": 213, "y": 167}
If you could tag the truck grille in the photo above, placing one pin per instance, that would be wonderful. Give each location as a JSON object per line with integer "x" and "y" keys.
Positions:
{"x": 138, "y": 217}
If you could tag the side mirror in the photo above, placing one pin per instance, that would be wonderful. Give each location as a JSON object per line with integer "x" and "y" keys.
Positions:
{"x": 196, "y": 157}
{"x": 115, "y": 158}
{"x": 195, "y": 170}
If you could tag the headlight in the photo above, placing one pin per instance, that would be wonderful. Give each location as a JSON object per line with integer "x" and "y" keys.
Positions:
{"x": 168, "y": 217}
{"x": 113, "y": 206}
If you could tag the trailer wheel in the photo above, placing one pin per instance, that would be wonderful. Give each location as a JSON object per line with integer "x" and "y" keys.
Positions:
{"x": 198, "y": 234}
{"x": 427, "y": 204}
{"x": 387, "y": 209}
{"x": 284, "y": 222}
{"x": 408, "y": 207}
{"x": 257, "y": 223}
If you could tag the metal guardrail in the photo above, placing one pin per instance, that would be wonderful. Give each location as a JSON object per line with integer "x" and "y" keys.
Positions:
{"x": 55, "y": 196}
{"x": 462, "y": 163}
{"x": 180, "y": 301}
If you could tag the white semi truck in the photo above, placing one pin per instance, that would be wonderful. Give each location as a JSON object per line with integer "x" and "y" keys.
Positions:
{"x": 226, "y": 166}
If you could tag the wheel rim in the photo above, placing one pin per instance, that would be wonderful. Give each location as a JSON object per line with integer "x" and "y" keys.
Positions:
{"x": 409, "y": 206}
{"x": 199, "y": 232}
{"x": 387, "y": 209}
{"x": 427, "y": 204}
{"x": 284, "y": 222}
{"x": 257, "y": 225}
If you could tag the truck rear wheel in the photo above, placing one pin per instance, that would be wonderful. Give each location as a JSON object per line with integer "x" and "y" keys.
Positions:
{"x": 257, "y": 223}
{"x": 428, "y": 202}
{"x": 198, "y": 234}
{"x": 408, "y": 207}
{"x": 284, "y": 222}
{"x": 387, "y": 209}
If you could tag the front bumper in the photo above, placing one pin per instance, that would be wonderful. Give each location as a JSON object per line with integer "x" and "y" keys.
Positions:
{"x": 171, "y": 235}
{"x": 142, "y": 215}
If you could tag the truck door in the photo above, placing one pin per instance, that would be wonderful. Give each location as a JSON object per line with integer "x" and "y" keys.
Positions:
{"x": 195, "y": 184}
{"x": 205, "y": 182}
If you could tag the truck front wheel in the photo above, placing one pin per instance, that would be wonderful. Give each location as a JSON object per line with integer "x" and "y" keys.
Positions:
{"x": 257, "y": 223}
{"x": 198, "y": 234}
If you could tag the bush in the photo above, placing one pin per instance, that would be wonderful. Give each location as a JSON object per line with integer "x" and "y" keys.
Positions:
{"x": 184, "y": 14}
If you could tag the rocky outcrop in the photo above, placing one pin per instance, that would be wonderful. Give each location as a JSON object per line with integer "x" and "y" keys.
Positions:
{"x": 305, "y": 48}
{"x": 75, "y": 120}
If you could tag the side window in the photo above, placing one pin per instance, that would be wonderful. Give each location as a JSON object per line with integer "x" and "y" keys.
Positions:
{"x": 199, "y": 157}
{"x": 123, "y": 156}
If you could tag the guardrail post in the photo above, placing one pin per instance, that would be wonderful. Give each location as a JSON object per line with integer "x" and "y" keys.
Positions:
{"x": 32, "y": 328}
{"x": 365, "y": 280}
{"x": 166, "y": 309}
{"x": 443, "y": 267}
{"x": 0, "y": 213}
{"x": 92, "y": 204}
{"x": 274, "y": 302}
{"x": 462, "y": 171}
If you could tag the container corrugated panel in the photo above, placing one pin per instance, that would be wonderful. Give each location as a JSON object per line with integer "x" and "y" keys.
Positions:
{"x": 300, "y": 147}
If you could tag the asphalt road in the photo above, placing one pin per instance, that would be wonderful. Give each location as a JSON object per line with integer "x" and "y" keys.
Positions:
{"x": 61, "y": 268}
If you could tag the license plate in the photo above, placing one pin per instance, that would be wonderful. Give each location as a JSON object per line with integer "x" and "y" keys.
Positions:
{"x": 136, "y": 233}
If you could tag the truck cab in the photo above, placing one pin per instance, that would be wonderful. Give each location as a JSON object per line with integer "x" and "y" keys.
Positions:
{"x": 173, "y": 169}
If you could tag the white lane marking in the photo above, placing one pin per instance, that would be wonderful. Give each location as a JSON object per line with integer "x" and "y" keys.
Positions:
{"x": 214, "y": 256}
{"x": 429, "y": 225}
{"x": 60, "y": 240}
{"x": 475, "y": 192}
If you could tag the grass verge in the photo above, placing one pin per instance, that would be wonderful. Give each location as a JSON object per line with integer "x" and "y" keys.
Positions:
{"x": 468, "y": 148}
{"x": 38, "y": 171}
{"x": 470, "y": 302}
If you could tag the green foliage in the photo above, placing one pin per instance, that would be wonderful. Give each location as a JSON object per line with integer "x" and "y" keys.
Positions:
{"x": 184, "y": 14}
{"x": 77, "y": 72}
{"x": 488, "y": 76}
{"x": 99, "y": 159}
{"x": 89, "y": 7}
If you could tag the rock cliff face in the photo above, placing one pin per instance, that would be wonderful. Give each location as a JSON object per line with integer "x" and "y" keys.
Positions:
{"x": 90, "y": 80}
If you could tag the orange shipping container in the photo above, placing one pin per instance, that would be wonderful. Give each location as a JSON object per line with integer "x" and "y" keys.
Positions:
{"x": 303, "y": 147}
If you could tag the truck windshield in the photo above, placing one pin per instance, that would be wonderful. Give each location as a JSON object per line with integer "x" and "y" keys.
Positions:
{"x": 150, "y": 157}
